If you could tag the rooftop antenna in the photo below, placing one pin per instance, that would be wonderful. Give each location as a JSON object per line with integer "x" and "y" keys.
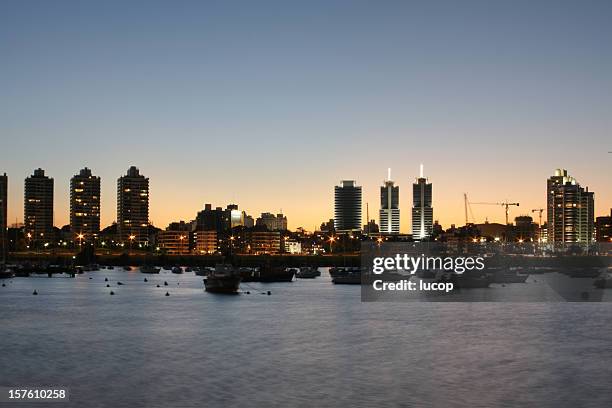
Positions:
{"x": 421, "y": 170}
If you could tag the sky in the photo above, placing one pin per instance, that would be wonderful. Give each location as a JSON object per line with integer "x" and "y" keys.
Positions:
{"x": 270, "y": 104}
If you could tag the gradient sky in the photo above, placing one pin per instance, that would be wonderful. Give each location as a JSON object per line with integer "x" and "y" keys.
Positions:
{"x": 270, "y": 104}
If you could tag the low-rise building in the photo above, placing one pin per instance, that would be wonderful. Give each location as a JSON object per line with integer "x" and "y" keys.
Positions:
{"x": 205, "y": 242}
{"x": 262, "y": 242}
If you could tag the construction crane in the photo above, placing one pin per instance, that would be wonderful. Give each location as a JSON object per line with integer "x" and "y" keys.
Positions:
{"x": 539, "y": 211}
{"x": 505, "y": 204}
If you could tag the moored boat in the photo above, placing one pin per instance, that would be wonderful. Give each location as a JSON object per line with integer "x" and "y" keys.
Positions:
{"x": 223, "y": 279}
{"x": 307, "y": 272}
{"x": 349, "y": 278}
{"x": 267, "y": 274}
{"x": 177, "y": 270}
{"x": 508, "y": 275}
{"x": 6, "y": 272}
{"x": 149, "y": 269}
{"x": 604, "y": 280}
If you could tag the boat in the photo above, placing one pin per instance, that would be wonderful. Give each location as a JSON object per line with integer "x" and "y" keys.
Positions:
{"x": 307, "y": 272}
{"x": 604, "y": 281}
{"x": 127, "y": 268}
{"x": 349, "y": 278}
{"x": 508, "y": 275}
{"x": 177, "y": 270}
{"x": 468, "y": 279}
{"x": 334, "y": 271}
{"x": 203, "y": 270}
{"x": 223, "y": 279}
{"x": 267, "y": 274}
{"x": 189, "y": 269}
{"x": 6, "y": 273}
{"x": 111, "y": 267}
{"x": 582, "y": 272}
{"x": 149, "y": 269}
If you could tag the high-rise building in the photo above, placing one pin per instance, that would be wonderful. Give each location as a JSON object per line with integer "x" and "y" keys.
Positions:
{"x": 422, "y": 211}
{"x": 84, "y": 206}
{"x": 133, "y": 207}
{"x": 213, "y": 220}
{"x": 3, "y": 217}
{"x": 347, "y": 206}
{"x": 603, "y": 228}
{"x": 389, "y": 215}
{"x": 38, "y": 207}
{"x": 570, "y": 210}
{"x": 272, "y": 222}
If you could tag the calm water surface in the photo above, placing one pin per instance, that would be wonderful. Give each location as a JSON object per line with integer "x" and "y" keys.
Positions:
{"x": 310, "y": 343}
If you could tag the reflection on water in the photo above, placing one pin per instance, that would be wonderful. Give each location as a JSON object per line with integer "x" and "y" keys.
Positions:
{"x": 309, "y": 343}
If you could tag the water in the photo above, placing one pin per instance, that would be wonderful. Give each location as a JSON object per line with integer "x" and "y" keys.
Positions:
{"x": 310, "y": 343}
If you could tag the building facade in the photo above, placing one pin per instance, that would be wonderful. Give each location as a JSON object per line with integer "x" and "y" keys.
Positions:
{"x": 603, "y": 228}
{"x": 570, "y": 210}
{"x": 38, "y": 207}
{"x": 174, "y": 242}
{"x": 3, "y": 217}
{"x": 262, "y": 242}
{"x": 85, "y": 206}
{"x": 422, "y": 210}
{"x": 205, "y": 242}
{"x": 347, "y": 206}
{"x": 133, "y": 207}
{"x": 389, "y": 215}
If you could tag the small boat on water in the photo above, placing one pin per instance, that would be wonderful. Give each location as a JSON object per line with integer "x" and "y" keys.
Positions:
{"x": 6, "y": 273}
{"x": 508, "y": 275}
{"x": 223, "y": 279}
{"x": 604, "y": 281}
{"x": 189, "y": 269}
{"x": 468, "y": 279}
{"x": 335, "y": 271}
{"x": 177, "y": 270}
{"x": 267, "y": 274}
{"x": 149, "y": 269}
{"x": 349, "y": 278}
{"x": 307, "y": 272}
{"x": 110, "y": 267}
{"x": 203, "y": 270}
{"x": 127, "y": 268}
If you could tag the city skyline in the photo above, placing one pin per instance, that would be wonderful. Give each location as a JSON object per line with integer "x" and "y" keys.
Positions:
{"x": 599, "y": 210}
{"x": 233, "y": 104}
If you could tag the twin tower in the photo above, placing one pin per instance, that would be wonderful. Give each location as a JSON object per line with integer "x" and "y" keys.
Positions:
{"x": 422, "y": 210}
{"x": 347, "y": 207}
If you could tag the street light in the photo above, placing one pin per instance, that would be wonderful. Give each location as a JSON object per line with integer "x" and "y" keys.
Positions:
{"x": 80, "y": 237}
{"x": 132, "y": 237}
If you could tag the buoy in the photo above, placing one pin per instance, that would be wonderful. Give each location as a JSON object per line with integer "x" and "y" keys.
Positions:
{"x": 248, "y": 293}
{"x": 167, "y": 294}
{"x": 90, "y": 277}
{"x": 112, "y": 293}
{"x": 146, "y": 280}
{"x": 269, "y": 293}
{"x": 108, "y": 286}
{"x": 165, "y": 283}
{"x": 105, "y": 279}
{"x": 35, "y": 292}
{"x": 3, "y": 285}
{"x": 158, "y": 286}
